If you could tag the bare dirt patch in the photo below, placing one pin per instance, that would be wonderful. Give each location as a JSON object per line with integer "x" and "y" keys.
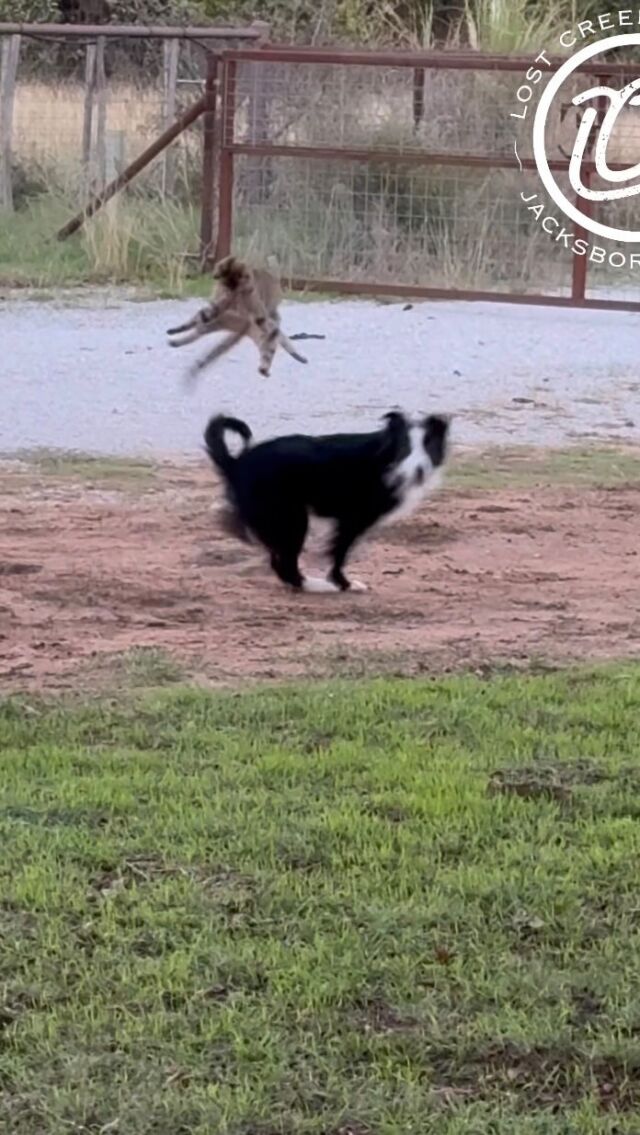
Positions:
{"x": 546, "y": 1078}
{"x": 493, "y": 575}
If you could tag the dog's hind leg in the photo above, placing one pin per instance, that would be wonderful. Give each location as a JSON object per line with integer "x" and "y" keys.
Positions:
{"x": 286, "y": 568}
{"x": 319, "y": 586}
{"x": 285, "y": 540}
{"x": 285, "y": 565}
{"x": 285, "y": 544}
{"x": 343, "y": 540}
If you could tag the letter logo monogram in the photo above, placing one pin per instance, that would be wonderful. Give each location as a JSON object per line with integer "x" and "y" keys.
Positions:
{"x": 592, "y": 139}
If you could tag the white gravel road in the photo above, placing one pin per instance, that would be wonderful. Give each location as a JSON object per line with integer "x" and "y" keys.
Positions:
{"x": 98, "y": 377}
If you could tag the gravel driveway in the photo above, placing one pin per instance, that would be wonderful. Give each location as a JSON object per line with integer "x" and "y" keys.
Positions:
{"x": 97, "y": 375}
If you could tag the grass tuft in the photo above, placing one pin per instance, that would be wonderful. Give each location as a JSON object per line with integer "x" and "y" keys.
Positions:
{"x": 524, "y": 466}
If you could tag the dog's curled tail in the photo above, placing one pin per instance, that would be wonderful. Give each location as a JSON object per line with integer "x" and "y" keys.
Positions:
{"x": 216, "y": 444}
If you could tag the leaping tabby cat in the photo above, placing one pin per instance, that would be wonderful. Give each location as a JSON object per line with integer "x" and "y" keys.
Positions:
{"x": 245, "y": 302}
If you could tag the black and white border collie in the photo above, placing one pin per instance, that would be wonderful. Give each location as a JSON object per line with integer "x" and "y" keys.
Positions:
{"x": 356, "y": 480}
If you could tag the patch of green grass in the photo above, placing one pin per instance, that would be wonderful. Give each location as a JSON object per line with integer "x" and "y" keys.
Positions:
{"x": 143, "y": 667}
{"x": 525, "y": 467}
{"x": 110, "y": 471}
{"x": 518, "y": 467}
{"x": 132, "y": 240}
{"x": 30, "y": 253}
{"x": 381, "y": 907}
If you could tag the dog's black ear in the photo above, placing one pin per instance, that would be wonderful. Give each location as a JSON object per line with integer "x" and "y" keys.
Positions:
{"x": 436, "y": 430}
{"x": 395, "y": 437}
{"x": 396, "y": 423}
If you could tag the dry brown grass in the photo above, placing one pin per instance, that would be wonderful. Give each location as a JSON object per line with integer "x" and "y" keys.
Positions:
{"x": 48, "y": 119}
{"x": 344, "y": 220}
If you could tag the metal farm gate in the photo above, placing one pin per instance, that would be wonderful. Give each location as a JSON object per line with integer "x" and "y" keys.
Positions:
{"x": 362, "y": 172}
{"x": 390, "y": 173}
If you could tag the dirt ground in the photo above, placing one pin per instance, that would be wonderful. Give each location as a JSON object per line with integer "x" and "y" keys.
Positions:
{"x": 92, "y": 577}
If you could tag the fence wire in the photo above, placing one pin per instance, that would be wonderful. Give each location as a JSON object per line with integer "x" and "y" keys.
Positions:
{"x": 82, "y": 113}
{"x": 345, "y": 106}
{"x": 326, "y": 165}
{"x": 324, "y": 178}
{"x": 434, "y": 226}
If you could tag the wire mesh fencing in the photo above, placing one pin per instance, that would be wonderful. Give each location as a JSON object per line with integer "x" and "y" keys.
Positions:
{"x": 363, "y": 171}
{"x": 386, "y": 170}
{"x": 82, "y": 112}
{"x": 441, "y": 227}
{"x": 86, "y": 110}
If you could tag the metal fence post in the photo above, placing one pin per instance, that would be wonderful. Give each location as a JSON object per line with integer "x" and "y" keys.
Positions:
{"x": 580, "y": 263}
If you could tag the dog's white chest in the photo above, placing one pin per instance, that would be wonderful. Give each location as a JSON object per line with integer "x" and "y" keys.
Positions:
{"x": 412, "y": 498}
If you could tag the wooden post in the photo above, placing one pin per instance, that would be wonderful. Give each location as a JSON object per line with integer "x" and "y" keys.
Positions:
{"x": 115, "y": 153}
{"x": 171, "y": 58}
{"x": 8, "y": 72}
{"x": 209, "y": 146}
{"x": 136, "y": 167}
{"x": 263, "y": 29}
{"x": 101, "y": 120}
{"x": 87, "y": 121}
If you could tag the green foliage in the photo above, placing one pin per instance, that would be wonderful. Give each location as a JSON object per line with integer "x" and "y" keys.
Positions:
{"x": 154, "y": 12}
{"x": 29, "y": 11}
{"x": 497, "y": 25}
{"x": 136, "y": 238}
{"x": 122, "y": 11}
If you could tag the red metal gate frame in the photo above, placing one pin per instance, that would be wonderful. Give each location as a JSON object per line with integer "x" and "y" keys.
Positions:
{"x": 418, "y": 62}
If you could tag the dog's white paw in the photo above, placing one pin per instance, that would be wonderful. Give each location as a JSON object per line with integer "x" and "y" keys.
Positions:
{"x": 357, "y": 586}
{"x": 319, "y": 586}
